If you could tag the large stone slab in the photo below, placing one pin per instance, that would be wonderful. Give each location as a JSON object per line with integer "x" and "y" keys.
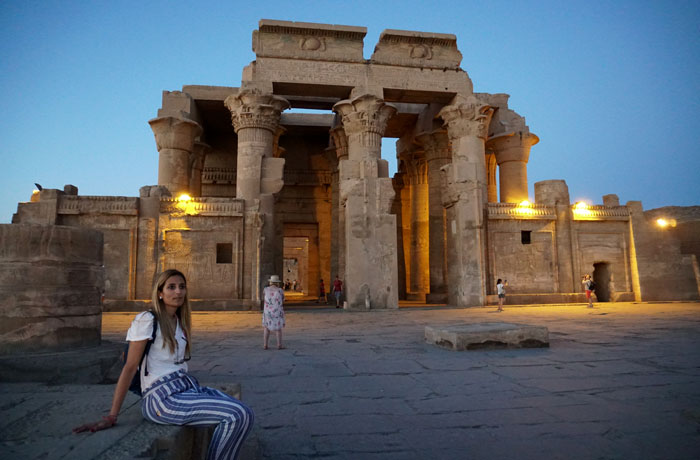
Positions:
{"x": 479, "y": 336}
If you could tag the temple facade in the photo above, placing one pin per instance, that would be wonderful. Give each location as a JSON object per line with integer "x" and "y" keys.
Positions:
{"x": 249, "y": 187}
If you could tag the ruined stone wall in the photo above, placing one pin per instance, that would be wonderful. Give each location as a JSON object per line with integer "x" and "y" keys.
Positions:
{"x": 205, "y": 244}
{"x": 603, "y": 243}
{"x": 51, "y": 281}
{"x": 117, "y": 219}
{"x": 528, "y": 267}
{"x": 660, "y": 271}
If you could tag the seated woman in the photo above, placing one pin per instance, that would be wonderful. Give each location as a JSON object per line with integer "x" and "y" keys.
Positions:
{"x": 171, "y": 396}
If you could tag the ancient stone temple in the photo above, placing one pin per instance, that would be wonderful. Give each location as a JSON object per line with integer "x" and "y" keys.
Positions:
{"x": 249, "y": 187}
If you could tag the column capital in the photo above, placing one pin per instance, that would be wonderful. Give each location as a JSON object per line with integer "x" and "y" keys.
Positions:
{"x": 340, "y": 141}
{"x": 436, "y": 145}
{"x": 253, "y": 108}
{"x": 174, "y": 133}
{"x": 466, "y": 116}
{"x": 364, "y": 114}
{"x": 513, "y": 146}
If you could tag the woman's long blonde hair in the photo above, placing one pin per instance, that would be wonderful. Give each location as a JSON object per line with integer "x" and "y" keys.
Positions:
{"x": 184, "y": 313}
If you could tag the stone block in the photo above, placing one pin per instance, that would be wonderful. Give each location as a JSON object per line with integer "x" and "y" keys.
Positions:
{"x": 417, "y": 49}
{"x": 303, "y": 40}
{"x": 479, "y": 336}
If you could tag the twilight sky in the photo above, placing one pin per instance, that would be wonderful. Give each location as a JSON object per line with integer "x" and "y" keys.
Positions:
{"x": 612, "y": 88}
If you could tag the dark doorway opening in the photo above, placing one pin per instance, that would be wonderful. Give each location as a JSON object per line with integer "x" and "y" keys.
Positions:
{"x": 601, "y": 276}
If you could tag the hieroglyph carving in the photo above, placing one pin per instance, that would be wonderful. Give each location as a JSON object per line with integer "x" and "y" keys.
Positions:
{"x": 252, "y": 108}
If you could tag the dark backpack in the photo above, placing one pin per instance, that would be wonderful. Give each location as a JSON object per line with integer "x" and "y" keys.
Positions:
{"x": 135, "y": 386}
{"x": 592, "y": 286}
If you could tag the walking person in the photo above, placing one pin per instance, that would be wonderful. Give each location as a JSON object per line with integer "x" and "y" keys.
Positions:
{"x": 337, "y": 290}
{"x": 589, "y": 286}
{"x": 321, "y": 292}
{"x": 501, "y": 291}
{"x": 171, "y": 396}
{"x": 273, "y": 312}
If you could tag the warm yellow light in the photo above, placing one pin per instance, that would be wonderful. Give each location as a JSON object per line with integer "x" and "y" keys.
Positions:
{"x": 663, "y": 223}
{"x": 581, "y": 206}
{"x": 34, "y": 192}
{"x": 184, "y": 197}
{"x": 524, "y": 207}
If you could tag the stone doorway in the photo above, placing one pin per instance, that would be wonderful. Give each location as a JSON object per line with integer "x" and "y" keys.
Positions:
{"x": 601, "y": 276}
{"x": 301, "y": 243}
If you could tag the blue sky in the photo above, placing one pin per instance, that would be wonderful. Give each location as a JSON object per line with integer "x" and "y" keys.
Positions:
{"x": 610, "y": 87}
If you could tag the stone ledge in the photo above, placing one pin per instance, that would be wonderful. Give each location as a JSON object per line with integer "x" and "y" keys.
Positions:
{"x": 146, "y": 440}
{"x": 487, "y": 336}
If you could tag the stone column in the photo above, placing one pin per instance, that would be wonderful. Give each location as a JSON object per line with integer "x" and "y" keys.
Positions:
{"x": 340, "y": 142}
{"x": 199, "y": 153}
{"x": 437, "y": 154}
{"x": 491, "y": 171}
{"x": 370, "y": 229}
{"x": 512, "y": 152}
{"x": 466, "y": 120}
{"x": 174, "y": 139}
{"x": 417, "y": 169}
{"x": 255, "y": 116}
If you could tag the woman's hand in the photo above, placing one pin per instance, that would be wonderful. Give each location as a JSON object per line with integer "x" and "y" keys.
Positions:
{"x": 107, "y": 421}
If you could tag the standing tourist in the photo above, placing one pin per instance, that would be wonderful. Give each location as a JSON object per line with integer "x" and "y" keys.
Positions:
{"x": 337, "y": 290}
{"x": 589, "y": 286}
{"x": 171, "y": 396}
{"x": 501, "y": 291}
{"x": 273, "y": 312}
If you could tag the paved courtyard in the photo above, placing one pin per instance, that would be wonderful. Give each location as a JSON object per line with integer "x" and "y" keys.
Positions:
{"x": 620, "y": 381}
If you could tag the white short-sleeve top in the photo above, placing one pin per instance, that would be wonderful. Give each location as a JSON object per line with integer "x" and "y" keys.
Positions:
{"x": 160, "y": 360}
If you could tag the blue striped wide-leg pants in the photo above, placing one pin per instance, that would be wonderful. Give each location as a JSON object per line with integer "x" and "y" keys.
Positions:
{"x": 177, "y": 399}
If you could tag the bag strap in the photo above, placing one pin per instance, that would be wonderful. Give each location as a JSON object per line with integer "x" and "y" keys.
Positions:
{"x": 150, "y": 341}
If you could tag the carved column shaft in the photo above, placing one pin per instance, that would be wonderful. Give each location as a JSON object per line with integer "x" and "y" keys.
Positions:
{"x": 466, "y": 120}
{"x": 437, "y": 153}
{"x": 340, "y": 142}
{"x": 420, "y": 260}
{"x": 174, "y": 139}
{"x": 255, "y": 116}
{"x": 370, "y": 229}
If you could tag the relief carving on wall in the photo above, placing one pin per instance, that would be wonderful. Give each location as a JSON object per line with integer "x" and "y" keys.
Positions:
{"x": 421, "y": 51}
{"x": 312, "y": 44}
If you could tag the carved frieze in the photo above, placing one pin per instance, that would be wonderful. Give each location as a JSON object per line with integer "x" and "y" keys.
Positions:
{"x": 114, "y": 205}
{"x": 224, "y": 207}
{"x": 219, "y": 176}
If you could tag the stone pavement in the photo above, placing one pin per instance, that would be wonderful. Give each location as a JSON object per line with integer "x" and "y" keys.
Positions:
{"x": 619, "y": 381}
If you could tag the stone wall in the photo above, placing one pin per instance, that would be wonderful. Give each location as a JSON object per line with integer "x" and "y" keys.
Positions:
{"x": 51, "y": 281}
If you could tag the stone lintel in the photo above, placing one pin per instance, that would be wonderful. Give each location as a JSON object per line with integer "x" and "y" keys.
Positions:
{"x": 209, "y": 93}
{"x": 477, "y": 336}
{"x": 307, "y": 119}
{"x": 305, "y": 40}
{"x": 417, "y": 49}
